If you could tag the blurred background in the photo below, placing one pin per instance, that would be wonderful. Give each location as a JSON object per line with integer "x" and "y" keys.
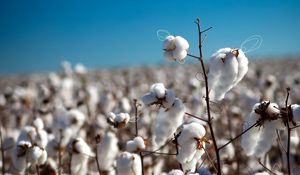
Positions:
{"x": 36, "y": 36}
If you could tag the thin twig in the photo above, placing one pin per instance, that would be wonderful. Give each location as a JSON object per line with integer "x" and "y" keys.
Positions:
{"x": 266, "y": 168}
{"x": 211, "y": 161}
{"x": 289, "y": 132}
{"x": 239, "y": 135}
{"x": 191, "y": 115}
{"x": 2, "y": 152}
{"x": 97, "y": 139}
{"x": 207, "y": 95}
{"x": 295, "y": 127}
{"x": 193, "y": 56}
{"x": 70, "y": 162}
{"x": 37, "y": 169}
{"x": 59, "y": 152}
{"x": 155, "y": 152}
{"x": 280, "y": 141}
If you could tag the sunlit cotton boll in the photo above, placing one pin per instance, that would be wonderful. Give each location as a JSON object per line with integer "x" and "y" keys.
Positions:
{"x": 80, "y": 69}
{"x": 19, "y": 156}
{"x": 191, "y": 144}
{"x": 175, "y": 48}
{"x": 227, "y": 67}
{"x": 118, "y": 120}
{"x": 258, "y": 140}
{"x": 137, "y": 144}
{"x": 128, "y": 164}
{"x": 168, "y": 121}
{"x": 37, "y": 155}
{"x": 107, "y": 150}
{"x": 80, "y": 155}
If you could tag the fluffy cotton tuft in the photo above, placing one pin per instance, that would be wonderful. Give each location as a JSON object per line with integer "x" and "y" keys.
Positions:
{"x": 38, "y": 123}
{"x": 137, "y": 144}
{"x": 107, "y": 150}
{"x": 128, "y": 164}
{"x": 227, "y": 67}
{"x": 191, "y": 145}
{"x": 80, "y": 154}
{"x": 168, "y": 121}
{"x": 159, "y": 95}
{"x": 37, "y": 155}
{"x": 258, "y": 140}
{"x": 118, "y": 120}
{"x": 80, "y": 69}
{"x": 296, "y": 112}
{"x": 175, "y": 48}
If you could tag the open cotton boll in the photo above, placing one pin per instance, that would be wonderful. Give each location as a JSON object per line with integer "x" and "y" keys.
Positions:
{"x": 76, "y": 117}
{"x": 175, "y": 48}
{"x": 170, "y": 98}
{"x": 242, "y": 67}
{"x": 149, "y": 98}
{"x": 80, "y": 69}
{"x": 37, "y": 155}
{"x": 190, "y": 145}
{"x": 296, "y": 112}
{"x": 168, "y": 121}
{"x": 137, "y": 144}
{"x": 80, "y": 155}
{"x": 128, "y": 164}
{"x": 38, "y": 123}
{"x": 19, "y": 156}
{"x": 175, "y": 172}
{"x": 159, "y": 90}
{"x": 118, "y": 120}
{"x": 258, "y": 140}
{"x": 107, "y": 150}
{"x": 223, "y": 71}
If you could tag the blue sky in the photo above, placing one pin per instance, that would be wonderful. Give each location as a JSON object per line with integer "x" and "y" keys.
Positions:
{"x": 37, "y": 35}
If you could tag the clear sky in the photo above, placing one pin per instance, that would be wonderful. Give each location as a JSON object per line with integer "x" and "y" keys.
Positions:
{"x": 37, "y": 35}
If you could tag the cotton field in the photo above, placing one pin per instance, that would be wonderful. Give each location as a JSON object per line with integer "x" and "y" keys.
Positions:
{"x": 67, "y": 121}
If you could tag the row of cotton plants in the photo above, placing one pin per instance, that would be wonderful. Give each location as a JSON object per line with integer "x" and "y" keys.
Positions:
{"x": 173, "y": 120}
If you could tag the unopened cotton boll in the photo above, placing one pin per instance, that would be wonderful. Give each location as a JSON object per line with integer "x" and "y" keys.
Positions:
{"x": 191, "y": 145}
{"x": 137, "y": 144}
{"x": 168, "y": 121}
{"x": 107, "y": 150}
{"x": 175, "y": 48}
{"x": 227, "y": 67}
{"x": 128, "y": 164}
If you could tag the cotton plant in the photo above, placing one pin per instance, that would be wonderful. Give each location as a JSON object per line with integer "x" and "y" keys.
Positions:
{"x": 136, "y": 145}
{"x": 107, "y": 149}
{"x": 128, "y": 164}
{"x": 266, "y": 117}
{"x": 227, "y": 67}
{"x": 80, "y": 154}
{"x": 118, "y": 120}
{"x": 179, "y": 172}
{"x": 191, "y": 141}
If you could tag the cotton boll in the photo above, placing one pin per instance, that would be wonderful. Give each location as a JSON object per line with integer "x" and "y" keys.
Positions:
{"x": 118, "y": 120}
{"x": 296, "y": 112}
{"x": 175, "y": 172}
{"x": 222, "y": 73}
{"x": 76, "y": 118}
{"x": 168, "y": 121}
{"x": 242, "y": 66}
{"x": 38, "y": 123}
{"x": 175, "y": 48}
{"x": 149, "y": 98}
{"x": 80, "y": 69}
{"x": 128, "y": 164}
{"x": 80, "y": 154}
{"x": 189, "y": 152}
{"x": 37, "y": 156}
{"x": 107, "y": 150}
{"x": 159, "y": 90}
{"x": 137, "y": 144}
{"x": 19, "y": 156}
{"x": 125, "y": 105}
{"x": 170, "y": 98}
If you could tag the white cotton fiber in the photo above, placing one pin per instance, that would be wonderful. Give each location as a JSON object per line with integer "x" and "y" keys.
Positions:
{"x": 170, "y": 98}
{"x": 118, "y": 120}
{"x": 38, "y": 123}
{"x": 108, "y": 150}
{"x": 227, "y": 67}
{"x": 136, "y": 144}
{"x": 149, "y": 98}
{"x": 175, "y": 48}
{"x": 168, "y": 121}
{"x": 159, "y": 90}
{"x": 80, "y": 155}
{"x": 189, "y": 154}
{"x": 176, "y": 172}
{"x": 296, "y": 112}
{"x": 128, "y": 164}
{"x": 259, "y": 139}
